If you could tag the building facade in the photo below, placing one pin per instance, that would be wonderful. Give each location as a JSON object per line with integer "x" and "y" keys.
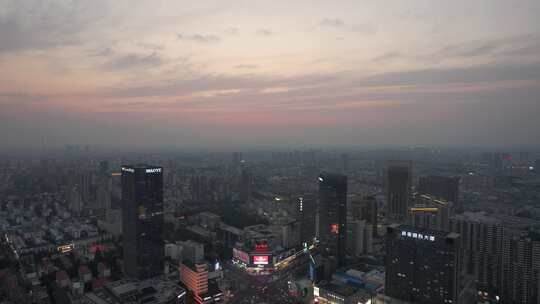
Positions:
{"x": 442, "y": 187}
{"x": 431, "y": 213}
{"x": 366, "y": 209}
{"x": 521, "y": 268}
{"x": 482, "y": 248}
{"x": 332, "y": 215}
{"x": 398, "y": 188}
{"x": 142, "y": 220}
{"x": 422, "y": 266}
{"x": 195, "y": 278}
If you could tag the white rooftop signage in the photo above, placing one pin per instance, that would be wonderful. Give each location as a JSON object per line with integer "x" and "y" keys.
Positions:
{"x": 418, "y": 236}
{"x": 153, "y": 170}
{"x": 131, "y": 170}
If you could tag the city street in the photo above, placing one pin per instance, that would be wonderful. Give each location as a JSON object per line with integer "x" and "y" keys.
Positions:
{"x": 262, "y": 288}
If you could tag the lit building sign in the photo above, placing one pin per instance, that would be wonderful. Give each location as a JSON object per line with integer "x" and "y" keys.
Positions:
{"x": 260, "y": 260}
{"x": 334, "y": 228}
{"x": 263, "y": 247}
{"x": 418, "y": 236}
{"x": 153, "y": 170}
{"x": 65, "y": 248}
{"x": 130, "y": 170}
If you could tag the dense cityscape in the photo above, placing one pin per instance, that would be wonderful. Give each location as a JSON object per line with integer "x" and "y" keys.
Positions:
{"x": 269, "y": 152}
{"x": 415, "y": 225}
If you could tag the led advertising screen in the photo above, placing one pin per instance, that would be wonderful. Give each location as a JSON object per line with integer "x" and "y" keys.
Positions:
{"x": 260, "y": 260}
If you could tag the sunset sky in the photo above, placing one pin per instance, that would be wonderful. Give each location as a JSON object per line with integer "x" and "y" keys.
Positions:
{"x": 224, "y": 74}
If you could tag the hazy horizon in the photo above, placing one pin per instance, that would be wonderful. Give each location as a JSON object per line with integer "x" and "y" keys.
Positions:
{"x": 231, "y": 75}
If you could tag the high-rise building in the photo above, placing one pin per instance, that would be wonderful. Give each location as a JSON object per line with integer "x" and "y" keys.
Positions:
{"x": 422, "y": 266}
{"x": 521, "y": 268}
{"x": 332, "y": 215}
{"x": 104, "y": 189}
{"x": 398, "y": 188}
{"x": 104, "y": 167}
{"x": 142, "y": 220}
{"x": 199, "y": 188}
{"x": 482, "y": 249}
{"x": 360, "y": 239}
{"x": 236, "y": 159}
{"x": 75, "y": 201}
{"x": 443, "y": 187}
{"x": 366, "y": 208}
{"x": 306, "y": 215}
{"x": 290, "y": 234}
{"x": 431, "y": 213}
{"x": 421, "y": 216}
{"x": 85, "y": 186}
{"x": 192, "y": 251}
{"x": 245, "y": 184}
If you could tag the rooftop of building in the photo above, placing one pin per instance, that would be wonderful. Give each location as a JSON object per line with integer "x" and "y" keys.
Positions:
{"x": 193, "y": 266}
{"x": 480, "y": 217}
{"x": 332, "y": 177}
{"x": 424, "y": 231}
{"x": 154, "y": 290}
{"x": 140, "y": 166}
{"x": 433, "y": 200}
{"x": 231, "y": 229}
{"x": 344, "y": 290}
{"x": 209, "y": 214}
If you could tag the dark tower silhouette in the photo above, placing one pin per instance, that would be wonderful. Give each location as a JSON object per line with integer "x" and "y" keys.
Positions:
{"x": 332, "y": 211}
{"x": 366, "y": 208}
{"x": 142, "y": 220}
{"x": 441, "y": 187}
{"x": 398, "y": 186}
{"x": 246, "y": 179}
{"x": 422, "y": 265}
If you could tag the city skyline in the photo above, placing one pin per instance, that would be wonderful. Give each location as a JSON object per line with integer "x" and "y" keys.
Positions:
{"x": 259, "y": 74}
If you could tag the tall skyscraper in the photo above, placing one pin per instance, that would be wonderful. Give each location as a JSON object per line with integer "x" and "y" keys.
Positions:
{"x": 360, "y": 240}
{"x": 431, "y": 213}
{"x": 366, "y": 208}
{"x": 306, "y": 214}
{"x": 104, "y": 187}
{"x": 521, "y": 268}
{"x": 422, "y": 266}
{"x": 103, "y": 167}
{"x": 236, "y": 159}
{"x": 246, "y": 179}
{"x": 199, "y": 188}
{"x": 332, "y": 215}
{"x": 142, "y": 220}
{"x": 443, "y": 187}
{"x": 398, "y": 188}
{"x": 85, "y": 186}
{"x": 482, "y": 249}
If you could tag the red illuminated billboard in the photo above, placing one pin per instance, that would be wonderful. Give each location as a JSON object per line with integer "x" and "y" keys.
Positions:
{"x": 260, "y": 260}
